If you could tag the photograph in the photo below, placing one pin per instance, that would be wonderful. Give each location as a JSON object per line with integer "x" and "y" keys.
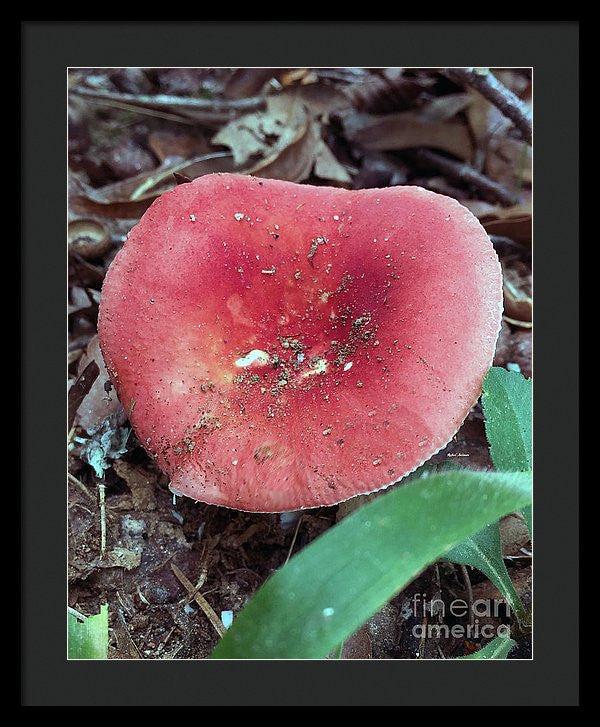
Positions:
{"x": 299, "y": 363}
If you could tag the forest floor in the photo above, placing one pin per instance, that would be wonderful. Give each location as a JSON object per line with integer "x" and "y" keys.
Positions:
{"x": 133, "y": 134}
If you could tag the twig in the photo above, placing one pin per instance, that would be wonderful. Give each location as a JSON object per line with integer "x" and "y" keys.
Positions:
{"x": 200, "y": 600}
{"x": 289, "y": 555}
{"x": 469, "y": 590}
{"x": 81, "y": 486}
{"x": 482, "y": 80}
{"x": 102, "y": 492}
{"x": 211, "y": 107}
{"x": 465, "y": 173}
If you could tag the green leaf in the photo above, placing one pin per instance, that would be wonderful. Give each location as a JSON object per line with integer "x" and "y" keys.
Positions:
{"x": 506, "y": 402}
{"x": 327, "y": 591}
{"x": 483, "y": 551}
{"x": 496, "y": 649}
{"x": 89, "y": 640}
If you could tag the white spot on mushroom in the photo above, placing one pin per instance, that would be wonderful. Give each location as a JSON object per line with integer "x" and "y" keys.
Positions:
{"x": 255, "y": 356}
{"x": 193, "y": 218}
{"x": 348, "y": 366}
{"x": 239, "y": 216}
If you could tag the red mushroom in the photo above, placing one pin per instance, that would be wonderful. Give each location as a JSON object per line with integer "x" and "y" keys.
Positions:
{"x": 282, "y": 346}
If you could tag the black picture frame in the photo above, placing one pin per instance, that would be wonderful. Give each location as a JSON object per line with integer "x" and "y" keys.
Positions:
{"x": 48, "y": 48}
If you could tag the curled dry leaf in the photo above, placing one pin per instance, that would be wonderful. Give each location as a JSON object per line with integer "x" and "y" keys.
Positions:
{"x": 514, "y": 534}
{"x": 408, "y": 130}
{"x": 265, "y": 133}
{"x": 80, "y": 389}
{"x": 286, "y": 138}
{"x": 509, "y": 161}
{"x": 130, "y": 198}
{"x": 517, "y": 296}
{"x": 513, "y": 222}
{"x": 442, "y": 108}
{"x": 89, "y": 238}
{"x": 248, "y": 81}
{"x": 99, "y": 403}
{"x": 485, "y": 120}
{"x": 168, "y": 144}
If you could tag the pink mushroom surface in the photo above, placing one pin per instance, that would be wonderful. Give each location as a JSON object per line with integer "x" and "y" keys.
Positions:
{"x": 282, "y": 346}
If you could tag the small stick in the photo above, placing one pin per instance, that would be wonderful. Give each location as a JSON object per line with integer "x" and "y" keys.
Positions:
{"x": 200, "y": 600}
{"x": 81, "y": 486}
{"x": 465, "y": 173}
{"x": 289, "y": 555}
{"x": 216, "y": 106}
{"x": 482, "y": 80}
{"x": 469, "y": 589}
{"x": 102, "y": 492}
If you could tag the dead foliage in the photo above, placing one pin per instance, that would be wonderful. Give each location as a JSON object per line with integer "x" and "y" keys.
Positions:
{"x": 168, "y": 566}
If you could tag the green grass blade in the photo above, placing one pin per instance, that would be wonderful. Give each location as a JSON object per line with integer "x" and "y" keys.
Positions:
{"x": 327, "y": 591}
{"x": 496, "y": 649}
{"x": 506, "y": 402}
{"x": 88, "y": 640}
{"x": 483, "y": 551}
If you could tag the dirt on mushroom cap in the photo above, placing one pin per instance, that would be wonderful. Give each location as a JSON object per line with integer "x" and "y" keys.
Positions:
{"x": 291, "y": 346}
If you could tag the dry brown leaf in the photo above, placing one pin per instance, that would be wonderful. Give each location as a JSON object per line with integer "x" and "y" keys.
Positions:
{"x": 443, "y": 108}
{"x": 513, "y": 222}
{"x": 265, "y": 133}
{"x": 99, "y": 403}
{"x": 408, "y": 130}
{"x": 295, "y": 161}
{"x": 167, "y": 144}
{"x": 485, "y": 120}
{"x": 245, "y": 82}
{"x": 130, "y": 198}
{"x": 140, "y": 481}
{"x": 517, "y": 296}
{"x": 514, "y": 534}
{"x": 328, "y": 167}
{"x": 509, "y": 161}
{"x": 287, "y": 136}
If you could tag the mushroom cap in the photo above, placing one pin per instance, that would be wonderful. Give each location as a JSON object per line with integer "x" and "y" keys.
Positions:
{"x": 282, "y": 346}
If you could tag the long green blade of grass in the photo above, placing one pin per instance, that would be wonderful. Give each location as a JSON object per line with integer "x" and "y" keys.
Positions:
{"x": 89, "y": 639}
{"x": 335, "y": 584}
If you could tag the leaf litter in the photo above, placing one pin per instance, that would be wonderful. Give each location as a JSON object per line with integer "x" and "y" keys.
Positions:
{"x": 135, "y": 133}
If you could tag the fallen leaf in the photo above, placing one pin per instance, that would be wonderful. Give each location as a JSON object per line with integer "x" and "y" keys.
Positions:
{"x": 514, "y": 534}
{"x": 445, "y": 107}
{"x": 328, "y": 167}
{"x": 80, "y": 389}
{"x": 509, "y": 161}
{"x": 101, "y": 401}
{"x": 265, "y": 133}
{"x": 408, "y": 130}
{"x": 141, "y": 482}
{"x": 518, "y": 303}
{"x": 514, "y": 222}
